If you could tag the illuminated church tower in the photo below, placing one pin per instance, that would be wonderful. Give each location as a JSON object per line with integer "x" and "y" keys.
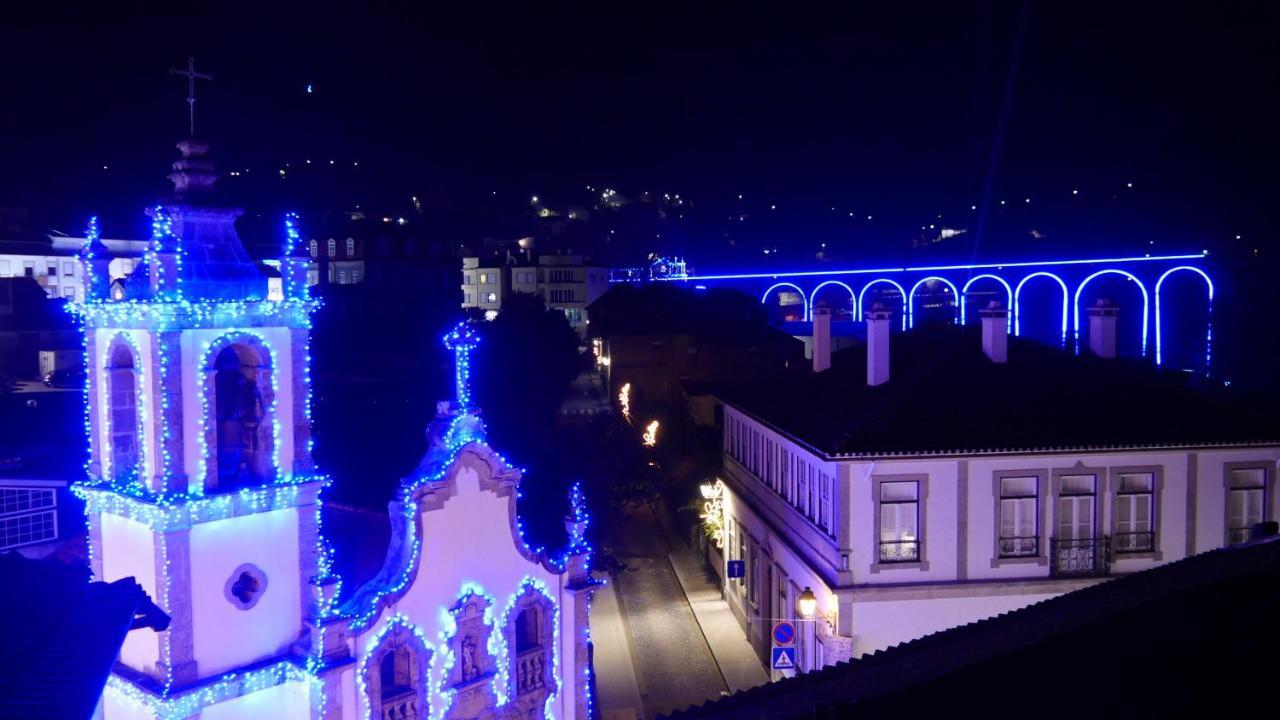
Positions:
{"x": 201, "y": 486}
{"x": 201, "y": 481}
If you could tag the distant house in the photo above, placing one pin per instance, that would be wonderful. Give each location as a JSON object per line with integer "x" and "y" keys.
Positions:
{"x": 30, "y": 323}
{"x": 566, "y": 282}
{"x": 659, "y": 338}
{"x": 919, "y": 487}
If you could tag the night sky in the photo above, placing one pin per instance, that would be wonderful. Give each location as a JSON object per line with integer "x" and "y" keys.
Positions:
{"x": 900, "y": 113}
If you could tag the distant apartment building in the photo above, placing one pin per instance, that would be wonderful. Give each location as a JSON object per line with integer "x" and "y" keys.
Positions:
{"x": 54, "y": 262}
{"x": 951, "y": 479}
{"x": 565, "y": 282}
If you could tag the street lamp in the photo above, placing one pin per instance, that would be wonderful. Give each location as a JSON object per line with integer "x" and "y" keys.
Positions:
{"x": 807, "y": 603}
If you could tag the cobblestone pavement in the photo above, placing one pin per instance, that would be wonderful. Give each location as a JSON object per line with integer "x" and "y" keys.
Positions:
{"x": 674, "y": 666}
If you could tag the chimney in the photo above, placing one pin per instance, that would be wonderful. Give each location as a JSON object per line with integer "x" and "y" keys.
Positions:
{"x": 995, "y": 332}
{"x": 878, "y": 345}
{"x": 821, "y": 339}
{"x": 1102, "y": 329}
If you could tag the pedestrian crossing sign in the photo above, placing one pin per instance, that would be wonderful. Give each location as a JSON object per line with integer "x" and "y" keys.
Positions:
{"x": 784, "y": 658}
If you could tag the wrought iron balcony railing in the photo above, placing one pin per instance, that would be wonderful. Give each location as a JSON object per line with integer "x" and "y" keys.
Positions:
{"x": 1079, "y": 557}
{"x": 1134, "y": 542}
{"x": 892, "y": 551}
{"x": 1015, "y": 547}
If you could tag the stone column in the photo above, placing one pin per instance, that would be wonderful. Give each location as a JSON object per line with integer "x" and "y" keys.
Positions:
{"x": 299, "y": 346}
{"x": 166, "y": 364}
{"x": 93, "y": 366}
{"x": 173, "y": 570}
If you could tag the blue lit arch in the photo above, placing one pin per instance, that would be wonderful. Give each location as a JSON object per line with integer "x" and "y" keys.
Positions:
{"x": 804, "y": 300}
{"x": 1146, "y": 302}
{"x": 853, "y": 298}
{"x": 964, "y": 291}
{"x": 862, "y": 293}
{"x": 1208, "y": 335}
{"x": 1017, "y": 303}
{"x": 911, "y": 298}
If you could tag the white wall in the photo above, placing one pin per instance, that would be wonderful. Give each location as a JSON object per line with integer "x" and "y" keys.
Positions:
{"x": 128, "y": 550}
{"x": 225, "y": 636}
{"x": 879, "y": 625}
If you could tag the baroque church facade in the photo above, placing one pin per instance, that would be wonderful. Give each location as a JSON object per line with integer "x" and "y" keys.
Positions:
{"x": 201, "y": 485}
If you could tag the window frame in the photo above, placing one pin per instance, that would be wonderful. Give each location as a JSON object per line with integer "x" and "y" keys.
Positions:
{"x": 1268, "y": 493}
{"x": 1041, "y": 557}
{"x": 922, "y": 496}
{"x": 1157, "y": 491}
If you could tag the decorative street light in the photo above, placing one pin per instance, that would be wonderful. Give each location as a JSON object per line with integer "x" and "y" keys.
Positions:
{"x": 807, "y": 603}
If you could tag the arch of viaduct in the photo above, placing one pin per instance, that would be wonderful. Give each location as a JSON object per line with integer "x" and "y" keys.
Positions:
{"x": 1069, "y": 278}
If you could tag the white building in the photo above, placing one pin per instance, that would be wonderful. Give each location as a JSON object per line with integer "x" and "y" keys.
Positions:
{"x": 565, "y": 282}
{"x": 953, "y": 478}
{"x": 202, "y": 487}
{"x": 55, "y": 266}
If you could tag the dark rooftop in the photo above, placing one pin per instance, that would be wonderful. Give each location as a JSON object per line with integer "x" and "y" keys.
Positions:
{"x": 63, "y": 634}
{"x": 945, "y": 396}
{"x": 1151, "y": 644}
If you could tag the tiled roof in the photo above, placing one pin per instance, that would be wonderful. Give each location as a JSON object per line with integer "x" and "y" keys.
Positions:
{"x": 945, "y": 396}
{"x": 1151, "y": 644}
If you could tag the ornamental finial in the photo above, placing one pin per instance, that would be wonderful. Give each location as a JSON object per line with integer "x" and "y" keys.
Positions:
{"x": 461, "y": 340}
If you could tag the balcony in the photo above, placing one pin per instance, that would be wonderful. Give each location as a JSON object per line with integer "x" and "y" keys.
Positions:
{"x": 1080, "y": 557}
{"x": 529, "y": 671}
{"x": 1018, "y": 547}
{"x": 894, "y": 551}
{"x": 1134, "y": 542}
{"x": 400, "y": 703}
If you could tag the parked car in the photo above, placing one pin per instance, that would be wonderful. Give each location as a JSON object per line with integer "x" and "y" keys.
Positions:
{"x": 65, "y": 378}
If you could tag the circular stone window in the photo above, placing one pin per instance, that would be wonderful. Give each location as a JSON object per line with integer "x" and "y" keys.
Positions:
{"x": 245, "y": 586}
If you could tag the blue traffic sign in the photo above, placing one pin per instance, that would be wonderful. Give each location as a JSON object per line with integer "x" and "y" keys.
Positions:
{"x": 784, "y": 633}
{"x": 784, "y": 658}
{"x": 737, "y": 568}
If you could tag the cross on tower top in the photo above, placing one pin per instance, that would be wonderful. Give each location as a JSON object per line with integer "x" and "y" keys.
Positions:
{"x": 461, "y": 340}
{"x": 191, "y": 75}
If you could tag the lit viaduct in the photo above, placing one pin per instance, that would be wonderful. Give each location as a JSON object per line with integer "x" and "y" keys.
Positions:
{"x": 950, "y": 290}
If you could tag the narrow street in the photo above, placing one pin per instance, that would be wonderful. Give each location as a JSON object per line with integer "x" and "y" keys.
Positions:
{"x": 645, "y": 626}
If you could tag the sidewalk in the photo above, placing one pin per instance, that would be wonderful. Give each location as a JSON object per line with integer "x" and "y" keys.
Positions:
{"x": 617, "y": 694}
{"x": 738, "y": 663}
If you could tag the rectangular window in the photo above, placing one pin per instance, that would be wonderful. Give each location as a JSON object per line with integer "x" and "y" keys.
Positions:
{"x": 1077, "y": 505}
{"x": 351, "y": 247}
{"x": 484, "y": 278}
{"x": 69, "y": 293}
{"x": 27, "y": 515}
{"x": 1135, "y": 513}
{"x": 1246, "y": 502}
{"x": 899, "y": 521}
{"x": 68, "y": 269}
{"x": 1019, "y": 508}
{"x": 29, "y": 268}
{"x": 825, "y": 514}
{"x": 52, "y": 270}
